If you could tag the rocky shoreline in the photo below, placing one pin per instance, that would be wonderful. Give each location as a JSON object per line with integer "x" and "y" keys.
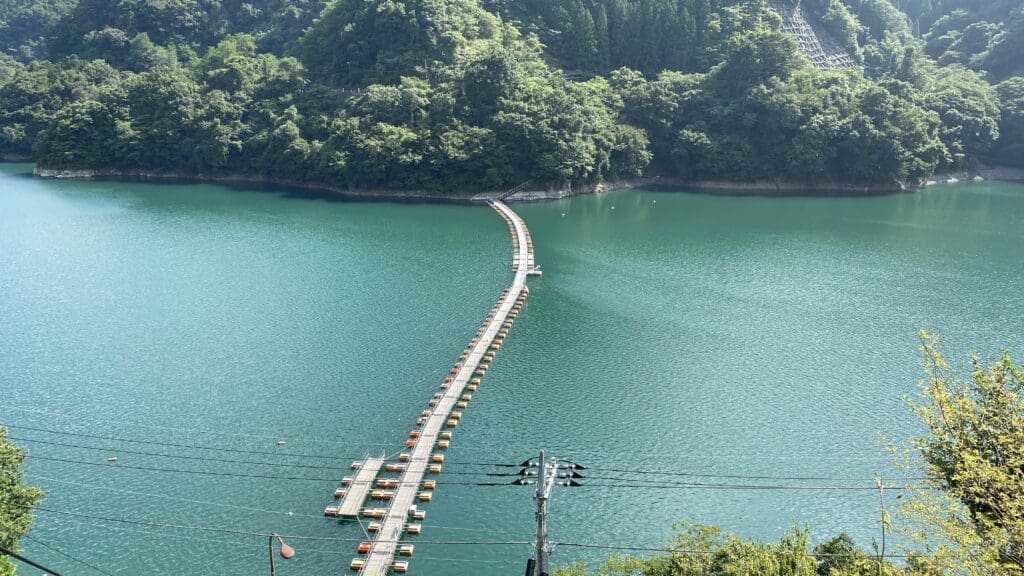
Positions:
{"x": 716, "y": 187}
{"x": 360, "y": 193}
{"x": 980, "y": 174}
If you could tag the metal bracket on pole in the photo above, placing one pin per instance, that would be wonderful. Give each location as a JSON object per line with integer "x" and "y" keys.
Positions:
{"x": 548, "y": 474}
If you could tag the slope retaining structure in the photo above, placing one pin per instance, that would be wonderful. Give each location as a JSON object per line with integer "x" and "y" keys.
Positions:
{"x": 823, "y": 52}
{"x": 433, "y": 430}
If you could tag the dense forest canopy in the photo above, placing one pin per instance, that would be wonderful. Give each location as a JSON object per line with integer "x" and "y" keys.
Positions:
{"x": 465, "y": 95}
{"x": 983, "y": 34}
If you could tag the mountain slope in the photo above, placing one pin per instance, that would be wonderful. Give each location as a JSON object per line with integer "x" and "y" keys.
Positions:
{"x": 457, "y": 96}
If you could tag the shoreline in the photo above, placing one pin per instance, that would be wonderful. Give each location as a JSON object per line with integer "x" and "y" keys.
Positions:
{"x": 979, "y": 174}
{"x": 285, "y": 185}
{"x": 655, "y": 183}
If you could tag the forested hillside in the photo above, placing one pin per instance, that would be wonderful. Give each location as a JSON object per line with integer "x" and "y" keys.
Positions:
{"x": 467, "y": 95}
{"x": 981, "y": 34}
{"x": 986, "y": 36}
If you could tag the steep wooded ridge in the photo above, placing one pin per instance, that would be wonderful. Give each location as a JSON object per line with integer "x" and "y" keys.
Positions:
{"x": 458, "y": 96}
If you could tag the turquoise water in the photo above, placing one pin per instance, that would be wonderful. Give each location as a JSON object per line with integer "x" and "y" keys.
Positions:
{"x": 670, "y": 332}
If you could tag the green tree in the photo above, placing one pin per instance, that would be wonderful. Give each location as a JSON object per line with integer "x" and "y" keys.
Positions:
{"x": 618, "y": 26}
{"x": 603, "y": 38}
{"x": 488, "y": 79}
{"x": 16, "y": 500}
{"x": 581, "y": 37}
{"x": 754, "y": 58}
{"x": 356, "y": 43}
{"x": 86, "y": 134}
{"x": 631, "y": 154}
{"x": 1010, "y": 148}
{"x": 24, "y": 26}
{"x": 143, "y": 54}
{"x": 1003, "y": 56}
{"x": 969, "y": 110}
{"x": 969, "y": 509}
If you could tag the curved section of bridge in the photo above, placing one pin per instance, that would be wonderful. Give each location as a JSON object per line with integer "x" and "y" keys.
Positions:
{"x": 408, "y": 484}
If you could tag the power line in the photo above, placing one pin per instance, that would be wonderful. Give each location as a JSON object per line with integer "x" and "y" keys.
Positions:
{"x": 649, "y": 483}
{"x": 265, "y": 534}
{"x": 175, "y": 445}
{"x": 676, "y": 473}
{"x": 698, "y": 486}
{"x": 485, "y": 484}
{"x": 693, "y": 474}
{"x": 31, "y": 563}
{"x": 176, "y": 456}
{"x": 241, "y": 545}
{"x": 467, "y": 560}
{"x": 246, "y": 508}
{"x": 829, "y": 454}
{"x": 423, "y": 542}
{"x": 114, "y": 466}
{"x": 711, "y": 552}
{"x": 640, "y": 483}
{"x": 164, "y": 535}
{"x": 738, "y": 487}
{"x": 453, "y": 528}
{"x": 248, "y": 548}
{"x": 66, "y": 416}
{"x": 450, "y": 462}
{"x": 167, "y": 497}
{"x": 66, "y": 555}
{"x": 733, "y": 476}
{"x": 200, "y": 472}
{"x": 211, "y": 459}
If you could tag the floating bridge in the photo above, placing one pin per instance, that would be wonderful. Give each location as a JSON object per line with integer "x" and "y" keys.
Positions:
{"x": 405, "y": 483}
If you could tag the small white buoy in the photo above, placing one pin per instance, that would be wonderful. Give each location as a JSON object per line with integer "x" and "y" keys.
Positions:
{"x": 291, "y": 513}
{"x": 613, "y": 207}
{"x": 112, "y": 459}
{"x": 563, "y": 214}
{"x": 654, "y": 201}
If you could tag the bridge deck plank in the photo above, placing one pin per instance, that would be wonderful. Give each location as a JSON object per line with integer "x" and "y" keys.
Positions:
{"x": 357, "y": 491}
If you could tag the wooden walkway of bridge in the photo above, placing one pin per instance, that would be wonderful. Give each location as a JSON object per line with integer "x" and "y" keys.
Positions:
{"x": 433, "y": 428}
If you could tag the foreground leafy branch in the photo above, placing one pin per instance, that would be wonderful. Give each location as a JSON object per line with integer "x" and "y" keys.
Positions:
{"x": 16, "y": 500}
{"x": 970, "y": 510}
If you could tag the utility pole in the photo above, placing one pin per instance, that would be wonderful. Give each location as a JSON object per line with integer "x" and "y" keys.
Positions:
{"x": 545, "y": 478}
{"x": 548, "y": 474}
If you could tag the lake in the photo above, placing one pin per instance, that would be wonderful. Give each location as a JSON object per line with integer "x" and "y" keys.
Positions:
{"x": 702, "y": 355}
